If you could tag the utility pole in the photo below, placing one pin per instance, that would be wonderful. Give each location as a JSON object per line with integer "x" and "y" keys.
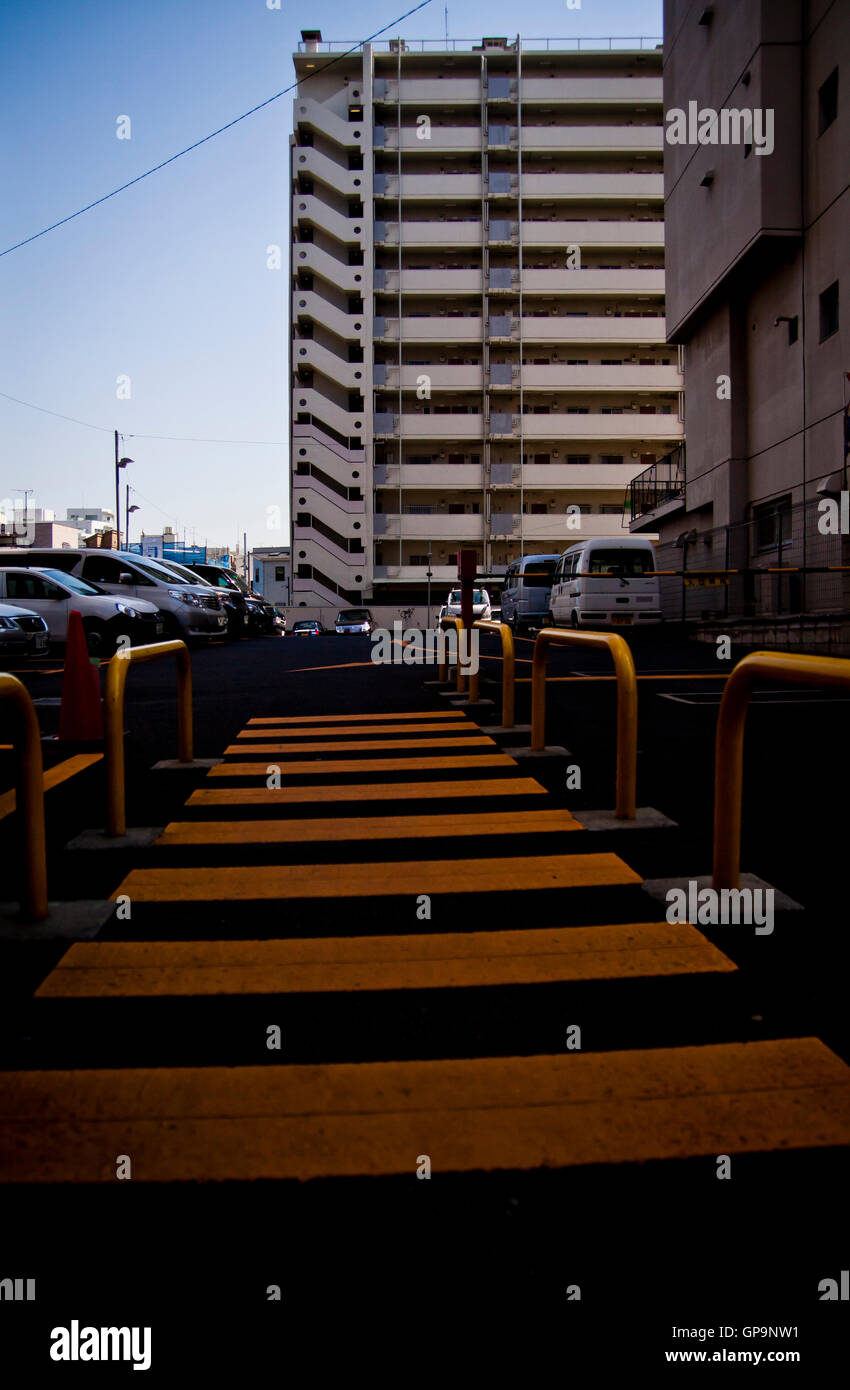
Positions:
{"x": 245, "y": 558}
{"x": 119, "y": 464}
{"x": 428, "y": 577}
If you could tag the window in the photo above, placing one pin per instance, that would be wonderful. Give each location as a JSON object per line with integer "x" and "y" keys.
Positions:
{"x": 578, "y": 458}
{"x": 773, "y": 523}
{"x": 418, "y": 560}
{"x": 280, "y": 573}
{"x": 611, "y": 458}
{"x": 828, "y": 102}
{"x": 31, "y": 586}
{"x": 828, "y": 302}
{"x": 456, "y": 509}
{"x": 103, "y": 569}
{"x": 622, "y": 562}
{"x": 542, "y": 458}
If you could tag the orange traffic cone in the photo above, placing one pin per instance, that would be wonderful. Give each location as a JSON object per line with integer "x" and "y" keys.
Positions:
{"x": 81, "y": 715}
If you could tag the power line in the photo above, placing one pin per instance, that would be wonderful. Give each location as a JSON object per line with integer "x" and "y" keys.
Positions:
{"x": 176, "y": 438}
{"x": 196, "y": 145}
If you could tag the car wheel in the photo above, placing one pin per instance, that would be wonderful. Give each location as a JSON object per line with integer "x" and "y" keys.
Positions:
{"x": 97, "y": 640}
{"x": 574, "y": 620}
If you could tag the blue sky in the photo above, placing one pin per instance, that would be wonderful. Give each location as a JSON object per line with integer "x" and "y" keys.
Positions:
{"x": 167, "y": 283}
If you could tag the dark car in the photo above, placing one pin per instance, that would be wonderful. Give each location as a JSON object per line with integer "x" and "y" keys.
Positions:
{"x": 240, "y": 620}
{"x": 308, "y": 627}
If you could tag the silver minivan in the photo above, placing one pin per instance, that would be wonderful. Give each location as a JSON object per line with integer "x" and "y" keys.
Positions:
{"x": 525, "y": 597}
{"x": 189, "y": 610}
{"x": 606, "y": 583}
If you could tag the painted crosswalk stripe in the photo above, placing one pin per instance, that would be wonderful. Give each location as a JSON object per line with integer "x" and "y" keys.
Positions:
{"x": 367, "y": 744}
{"x": 214, "y": 883}
{"x": 463, "y": 726}
{"x": 351, "y": 718}
{"x": 333, "y": 828}
{"x": 319, "y": 766}
{"x": 366, "y": 791}
{"x": 303, "y": 1122}
{"x": 118, "y": 969}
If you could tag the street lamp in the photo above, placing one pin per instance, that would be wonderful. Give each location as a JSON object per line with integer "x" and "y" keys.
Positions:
{"x": 119, "y": 464}
{"x": 127, "y": 510}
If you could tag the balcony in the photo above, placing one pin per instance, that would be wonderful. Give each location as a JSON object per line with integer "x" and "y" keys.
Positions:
{"x": 439, "y": 377}
{"x": 431, "y": 280}
{"x": 441, "y": 474}
{"x": 621, "y": 281}
{"x": 592, "y": 91}
{"x": 658, "y": 491}
{"x": 630, "y": 425}
{"x": 428, "y": 526}
{"x": 596, "y": 377}
{"x": 600, "y": 235}
{"x": 421, "y": 426}
{"x": 583, "y": 186}
{"x": 610, "y": 139}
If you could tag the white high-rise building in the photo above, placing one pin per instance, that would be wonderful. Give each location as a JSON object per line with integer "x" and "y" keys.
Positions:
{"x": 478, "y": 337}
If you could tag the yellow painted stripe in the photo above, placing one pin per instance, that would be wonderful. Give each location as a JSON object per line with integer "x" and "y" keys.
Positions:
{"x": 368, "y": 791}
{"x": 113, "y": 969}
{"x": 263, "y": 881}
{"x": 317, "y": 767}
{"x": 349, "y": 718}
{"x": 297, "y": 831}
{"x": 462, "y": 726}
{"x": 369, "y": 744}
{"x": 53, "y": 777}
{"x": 302, "y": 1122}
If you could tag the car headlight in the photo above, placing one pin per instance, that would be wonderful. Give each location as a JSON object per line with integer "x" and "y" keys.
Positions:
{"x": 8, "y": 622}
{"x": 127, "y": 610}
{"x": 191, "y": 599}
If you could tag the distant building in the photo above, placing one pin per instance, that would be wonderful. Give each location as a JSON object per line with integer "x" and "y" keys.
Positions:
{"x": 91, "y": 520}
{"x": 271, "y": 573}
{"x": 757, "y": 249}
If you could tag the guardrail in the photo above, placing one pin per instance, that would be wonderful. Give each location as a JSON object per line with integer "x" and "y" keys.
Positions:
{"x": 457, "y": 624}
{"x": 508, "y": 670}
{"x": 113, "y": 720}
{"x": 624, "y": 668}
{"x": 29, "y": 799}
{"x": 729, "y": 742}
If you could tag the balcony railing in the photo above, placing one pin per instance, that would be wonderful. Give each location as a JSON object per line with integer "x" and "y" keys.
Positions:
{"x": 663, "y": 481}
{"x": 572, "y": 45}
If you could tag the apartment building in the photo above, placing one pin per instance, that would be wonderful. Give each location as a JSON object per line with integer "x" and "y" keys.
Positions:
{"x": 478, "y": 345}
{"x": 758, "y": 260}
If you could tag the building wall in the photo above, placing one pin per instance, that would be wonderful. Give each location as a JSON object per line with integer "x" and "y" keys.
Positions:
{"x": 756, "y": 247}
{"x": 485, "y": 376}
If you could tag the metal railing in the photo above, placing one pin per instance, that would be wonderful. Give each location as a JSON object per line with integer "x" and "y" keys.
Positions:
{"x": 729, "y": 742}
{"x": 663, "y": 481}
{"x": 615, "y": 43}
{"x": 627, "y": 704}
{"x": 113, "y": 720}
{"x": 508, "y": 670}
{"x": 457, "y": 624}
{"x": 29, "y": 786}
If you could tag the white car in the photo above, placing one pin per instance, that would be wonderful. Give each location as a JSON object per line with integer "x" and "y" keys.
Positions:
{"x": 52, "y": 594}
{"x": 480, "y": 604}
{"x": 22, "y": 631}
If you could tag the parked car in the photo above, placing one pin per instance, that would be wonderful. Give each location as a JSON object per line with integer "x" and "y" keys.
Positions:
{"x": 280, "y": 620}
{"x": 225, "y": 583}
{"x": 480, "y": 604}
{"x": 606, "y": 583}
{"x": 22, "y": 631}
{"x": 354, "y": 620}
{"x": 188, "y": 610}
{"x": 527, "y": 590}
{"x": 308, "y": 627}
{"x": 52, "y": 595}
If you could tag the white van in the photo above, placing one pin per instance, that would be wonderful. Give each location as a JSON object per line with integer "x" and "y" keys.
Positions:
{"x": 187, "y": 610}
{"x": 525, "y": 597}
{"x": 53, "y": 595}
{"x": 606, "y": 583}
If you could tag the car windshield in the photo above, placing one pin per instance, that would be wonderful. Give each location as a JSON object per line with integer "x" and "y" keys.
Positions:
{"x": 304, "y": 627}
{"x": 539, "y": 575}
{"x": 219, "y": 578}
{"x": 183, "y": 573}
{"x": 154, "y": 570}
{"x": 625, "y": 562}
{"x": 70, "y": 581}
{"x": 353, "y": 615}
{"x": 477, "y": 596}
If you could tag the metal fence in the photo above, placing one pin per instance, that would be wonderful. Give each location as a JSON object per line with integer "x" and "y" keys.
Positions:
{"x": 613, "y": 44}
{"x": 781, "y": 565}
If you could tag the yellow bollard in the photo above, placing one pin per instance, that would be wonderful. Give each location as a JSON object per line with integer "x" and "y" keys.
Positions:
{"x": 29, "y": 799}
{"x": 729, "y": 741}
{"x": 508, "y": 670}
{"x": 624, "y": 669}
{"x": 113, "y": 720}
